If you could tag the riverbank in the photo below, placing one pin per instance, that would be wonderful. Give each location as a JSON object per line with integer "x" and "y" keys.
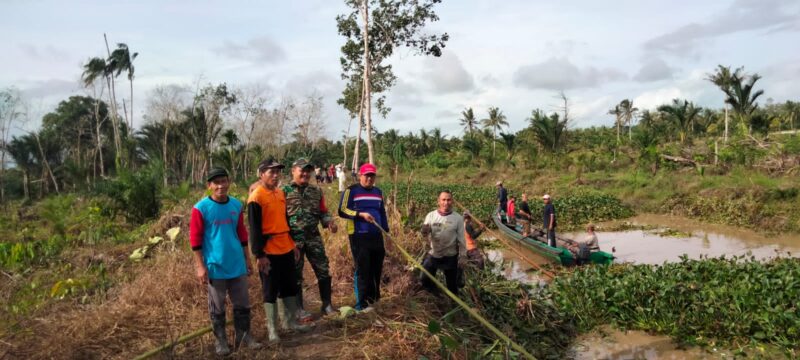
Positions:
{"x": 741, "y": 197}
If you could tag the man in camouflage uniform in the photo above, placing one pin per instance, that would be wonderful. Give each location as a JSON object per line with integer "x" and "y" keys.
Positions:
{"x": 306, "y": 209}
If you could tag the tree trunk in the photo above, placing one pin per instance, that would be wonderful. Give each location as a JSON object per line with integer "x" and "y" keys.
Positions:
{"x": 115, "y": 121}
{"x": 2, "y": 177}
{"x": 25, "y": 189}
{"x": 726, "y": 124}
{"x": 164, "y": 152}
{"x": 130, "y": 126}
{"x": 344, "y": 142}
{"x": 47, "y": 164}
{"x": 367, "y": 85}
{"x": 99, "y": 139}
{"x": 358, "y": 145}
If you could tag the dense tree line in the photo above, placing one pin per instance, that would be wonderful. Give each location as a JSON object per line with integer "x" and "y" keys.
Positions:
{"x": 185, "y": 133}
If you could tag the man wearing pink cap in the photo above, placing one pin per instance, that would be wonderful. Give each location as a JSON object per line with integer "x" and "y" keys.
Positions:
{"x": 362, "y": 206}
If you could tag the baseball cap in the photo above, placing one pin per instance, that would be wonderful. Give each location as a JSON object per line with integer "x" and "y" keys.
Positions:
{"x": 498, "y": 183}
{"x": 367, "y": 169}
{"x": 269, "y": 164}
{"x": 302, "y": 163}
{"x": 216, "y": 172}
{"x": 546, "y": 196}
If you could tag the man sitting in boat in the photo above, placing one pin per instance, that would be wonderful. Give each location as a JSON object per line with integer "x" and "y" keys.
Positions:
{"x": 586, "y": 247}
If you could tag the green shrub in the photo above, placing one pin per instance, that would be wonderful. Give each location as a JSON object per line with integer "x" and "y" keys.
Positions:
{"x": 136, "y": 195}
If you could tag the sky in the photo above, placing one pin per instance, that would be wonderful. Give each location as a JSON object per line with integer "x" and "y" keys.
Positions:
{"x": 516, "y": 55}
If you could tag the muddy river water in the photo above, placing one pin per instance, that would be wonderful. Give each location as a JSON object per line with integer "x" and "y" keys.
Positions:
{"x": 655, "y": 245}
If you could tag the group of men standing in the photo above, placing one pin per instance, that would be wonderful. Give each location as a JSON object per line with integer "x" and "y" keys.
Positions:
{"x": 520, "y": 213}
{"x": 284, "y": 230}
{"x": 283, "y": 222}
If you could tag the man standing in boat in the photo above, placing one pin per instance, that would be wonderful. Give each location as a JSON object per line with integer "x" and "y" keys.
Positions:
{"x": 524, "y": 215}
{"x": 511, "y": 213}
{"x": 502, "y": 196}
{"x": 549, "y": 218}
{"x": 445, "y": 229}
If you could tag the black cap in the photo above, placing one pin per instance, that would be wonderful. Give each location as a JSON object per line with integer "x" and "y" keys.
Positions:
{"x": 216, "y": 172}
{"x": 270, "y": 163}
{"x": 302, "y": 163}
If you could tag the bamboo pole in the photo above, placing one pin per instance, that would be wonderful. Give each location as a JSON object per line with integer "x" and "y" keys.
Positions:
{"x": 460, "y": 302}
{"x": 180, "y": 340}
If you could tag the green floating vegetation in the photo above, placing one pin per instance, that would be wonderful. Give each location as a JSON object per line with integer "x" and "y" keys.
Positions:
{"x": 735, "y": 302}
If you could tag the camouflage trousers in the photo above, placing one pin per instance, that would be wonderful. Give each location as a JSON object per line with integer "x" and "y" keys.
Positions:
{"x": 311, "y": 247}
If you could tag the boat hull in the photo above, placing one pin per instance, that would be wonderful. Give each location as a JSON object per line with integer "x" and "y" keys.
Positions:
{"x": 537, "y": 242}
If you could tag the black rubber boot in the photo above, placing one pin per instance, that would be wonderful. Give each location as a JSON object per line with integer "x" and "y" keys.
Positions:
{"x": 325, "y": 296}
{"x": 241, "y": 324}
{"x": 218, "y": 325}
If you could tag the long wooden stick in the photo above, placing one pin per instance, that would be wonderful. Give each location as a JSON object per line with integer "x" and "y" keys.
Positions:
{"x": 460, "y": 302}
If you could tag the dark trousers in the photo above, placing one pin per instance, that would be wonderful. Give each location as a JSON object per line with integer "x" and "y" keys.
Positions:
{"x": 551, "y": 237}
{"x": 281, "y": 281}
{"x": 368, "y": 271}
{"x": 448, "y": 264}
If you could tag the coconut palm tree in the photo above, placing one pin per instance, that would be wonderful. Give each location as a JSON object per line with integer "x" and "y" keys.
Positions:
{"x": 495, "y": 121}
{"x": 741, "y": 97}
{"x": 617, "y": 112}
{"x": 510, "y": 142}
{"x": 121, "y": 60}
{"x": 468, "y": 120}
{"x": 683, "y": 114}
{"x": 548, "y": 130}
{"x": 628, "y": 113}
{"x": 94, "y": 69}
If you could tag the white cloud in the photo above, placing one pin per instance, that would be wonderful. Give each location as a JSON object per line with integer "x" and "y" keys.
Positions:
{"x": 655, "y": 98}
{"x": 742, "y": 15}
{"x": 561, "y": 74}
{"x": 446, "y": 74}
{"x": 653, "y": 70}
{"x": 258, "y": 50}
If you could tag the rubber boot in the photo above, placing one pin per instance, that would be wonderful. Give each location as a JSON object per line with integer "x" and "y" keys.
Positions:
{"x": 303, "y": 316}
{"x": 241, "y": 323}
{"x": 218, "y": 326}
{"x": 289, "y": 319}
{"x": 272, "y": 319}
{"x": 325, "y": 296}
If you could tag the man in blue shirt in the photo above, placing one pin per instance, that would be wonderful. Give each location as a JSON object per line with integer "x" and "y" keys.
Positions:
{"x": 362, "y": 206}
{"x": 219, "y": 241}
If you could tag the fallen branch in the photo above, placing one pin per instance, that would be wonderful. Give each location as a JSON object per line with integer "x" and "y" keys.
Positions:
{"x": 680, "y": 160}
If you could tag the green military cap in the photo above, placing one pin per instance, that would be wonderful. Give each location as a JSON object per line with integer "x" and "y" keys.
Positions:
{"x": 302, "y": 163}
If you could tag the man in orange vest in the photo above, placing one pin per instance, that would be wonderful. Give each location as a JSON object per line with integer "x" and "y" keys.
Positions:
{"x": 471, "y": 234}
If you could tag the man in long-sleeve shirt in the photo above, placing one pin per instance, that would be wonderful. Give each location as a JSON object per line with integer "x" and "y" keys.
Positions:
{"x": 219, "y": 241}
{"x": 305, "y": 205}
{"x": 362, "y": 206}
{"x": 445, "y": 229}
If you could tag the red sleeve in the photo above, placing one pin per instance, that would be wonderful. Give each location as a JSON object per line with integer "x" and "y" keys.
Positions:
{"x": 196, "y": 230}
{"x": 242, "y": 230}
{"x": 322, "y": 206}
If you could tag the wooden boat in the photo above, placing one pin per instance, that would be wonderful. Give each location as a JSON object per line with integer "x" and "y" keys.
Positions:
{"x": 537, "y": 242}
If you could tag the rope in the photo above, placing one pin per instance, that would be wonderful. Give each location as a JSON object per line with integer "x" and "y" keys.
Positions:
{"x": 460, "y": 302}
{"x": 513, "y": 248}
